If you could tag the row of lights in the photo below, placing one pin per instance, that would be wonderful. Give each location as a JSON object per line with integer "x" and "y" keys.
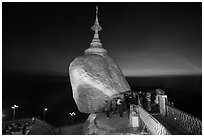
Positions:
{"x": 14, "y": 107}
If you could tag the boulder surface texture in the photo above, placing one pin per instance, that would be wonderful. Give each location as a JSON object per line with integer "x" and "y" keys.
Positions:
{"x": 95, "y": 79}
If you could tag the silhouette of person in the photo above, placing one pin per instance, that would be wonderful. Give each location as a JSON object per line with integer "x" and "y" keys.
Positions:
{"x": 119, "y": 104}
{"x": 107, "y": 108}
{"x": 114, "y": 106}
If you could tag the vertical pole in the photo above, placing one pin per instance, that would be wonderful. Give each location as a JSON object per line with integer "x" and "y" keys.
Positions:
{"x": 44, "y": 114}
{"x": 72, "y": 120}
{"x": 14, "y": 113}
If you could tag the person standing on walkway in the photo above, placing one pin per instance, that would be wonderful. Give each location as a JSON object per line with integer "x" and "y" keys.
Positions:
{"x": 134, "y": 98}
{"x": 113, "y": 103}
{"x": 107, "y": 108}
{"x": 119, "y": 104}
{"x": 130, "y": 99}
{"x": 123, "y": 102}
{"x": 148, "y": 98}
{"x": 127, "y": 102}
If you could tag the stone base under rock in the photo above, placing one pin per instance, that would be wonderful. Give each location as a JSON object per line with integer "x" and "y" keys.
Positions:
{"x": 99, "y": 124}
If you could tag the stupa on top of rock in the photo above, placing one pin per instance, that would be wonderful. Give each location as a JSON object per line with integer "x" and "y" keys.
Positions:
{"x": 95, "y": 77}
{"x": 96, "y": 45}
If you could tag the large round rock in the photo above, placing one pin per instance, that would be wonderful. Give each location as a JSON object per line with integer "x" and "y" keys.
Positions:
{"x": 95, "y": 78}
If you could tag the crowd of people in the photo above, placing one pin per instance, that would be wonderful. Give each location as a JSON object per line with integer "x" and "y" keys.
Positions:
{"x": 120, "y": 103}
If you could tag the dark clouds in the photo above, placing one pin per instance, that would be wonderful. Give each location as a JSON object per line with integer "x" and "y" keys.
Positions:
{"x": 143, "y": 38}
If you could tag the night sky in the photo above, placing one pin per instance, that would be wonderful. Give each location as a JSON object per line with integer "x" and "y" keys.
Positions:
{"x": 40, "y": 40}
{"x": 143, "y": 38}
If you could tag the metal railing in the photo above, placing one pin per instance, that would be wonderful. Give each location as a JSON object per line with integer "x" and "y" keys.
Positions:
{"x": 154, "y": 126}
{"x": 192, "y": 124}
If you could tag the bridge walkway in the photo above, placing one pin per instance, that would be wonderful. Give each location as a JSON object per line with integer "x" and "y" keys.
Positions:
{"x": 171, "y": 125}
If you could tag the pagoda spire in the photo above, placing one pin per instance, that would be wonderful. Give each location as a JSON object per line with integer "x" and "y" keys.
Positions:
{"x": 96, "y": 45}
{"x": 96, "y": 27}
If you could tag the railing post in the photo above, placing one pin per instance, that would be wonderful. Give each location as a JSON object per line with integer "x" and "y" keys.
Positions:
{"x": 134, "y": 119}
{"x": 162, "y": 104}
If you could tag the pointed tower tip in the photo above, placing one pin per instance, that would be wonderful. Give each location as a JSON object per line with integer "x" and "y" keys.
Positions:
{"x": 96, "y": 14}
{"x": 96, "y": 26}
{"x": 96, "y": 45}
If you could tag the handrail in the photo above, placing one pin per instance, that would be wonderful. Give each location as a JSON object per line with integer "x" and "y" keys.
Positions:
{"x": 189, "y": 122}
{"x": 154, "y": 126}
{"x": 183, "y": 112}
